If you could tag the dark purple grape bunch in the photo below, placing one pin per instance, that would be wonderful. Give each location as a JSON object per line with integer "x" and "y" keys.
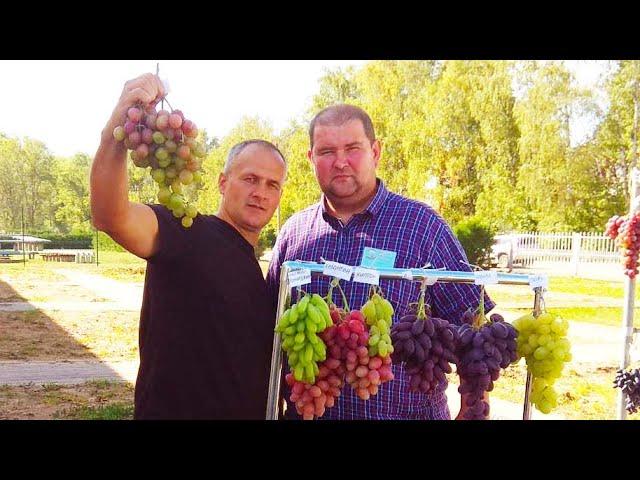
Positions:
{"x": 629, "y": 382}
{"x": 426, "y": 346}
{"x": 483, "y": 347}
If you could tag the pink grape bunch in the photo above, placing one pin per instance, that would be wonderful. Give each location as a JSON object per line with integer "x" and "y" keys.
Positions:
{"x": 166, "y": 142}
{"x": 349, "y": 342}
{"x": 311, "y": 401}
{"x": 626, "y": 230}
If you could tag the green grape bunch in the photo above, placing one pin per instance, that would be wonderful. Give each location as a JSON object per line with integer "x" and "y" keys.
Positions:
{"x": 165, "y": 142}
{"x": 299, "y": 326}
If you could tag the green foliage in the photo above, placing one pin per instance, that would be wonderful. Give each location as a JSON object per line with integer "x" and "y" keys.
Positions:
{"x": 476, "y": 238}
{"x": 78, "y": 241}
{"x": 105, "y": 243}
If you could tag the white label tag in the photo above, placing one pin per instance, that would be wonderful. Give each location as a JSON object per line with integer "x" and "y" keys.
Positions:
{"x": 485, "y": 277}
{"x": 430, "y": 280}
{"x": 366, "y": 275}
{"x": 299, "y": 277}
{"x": 340, "y": 270}
{"x": 536, "y": 281}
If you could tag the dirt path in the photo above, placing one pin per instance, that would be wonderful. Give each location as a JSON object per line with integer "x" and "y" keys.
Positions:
{"x": 68, "y": 373}
{"x": 120, "y": 292}
{"x": 69, "y": 306}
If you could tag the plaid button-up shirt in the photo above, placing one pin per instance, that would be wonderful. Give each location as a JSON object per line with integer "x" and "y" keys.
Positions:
{"x": 419, "y": 236}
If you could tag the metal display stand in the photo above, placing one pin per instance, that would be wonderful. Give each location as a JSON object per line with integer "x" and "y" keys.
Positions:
{"x": 414, "y": 274}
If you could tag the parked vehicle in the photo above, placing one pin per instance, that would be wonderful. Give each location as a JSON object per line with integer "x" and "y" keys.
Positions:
{"x": 509, "y": 250}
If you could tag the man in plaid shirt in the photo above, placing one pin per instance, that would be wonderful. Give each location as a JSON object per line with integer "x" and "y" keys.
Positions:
{"x": 357, "y": 211}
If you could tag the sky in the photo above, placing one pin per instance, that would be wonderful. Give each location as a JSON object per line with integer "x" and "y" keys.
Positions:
{"x": 65, "y": 104}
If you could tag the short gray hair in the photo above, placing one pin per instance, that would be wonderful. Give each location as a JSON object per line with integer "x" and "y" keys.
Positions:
{"x": 239, "y": 147}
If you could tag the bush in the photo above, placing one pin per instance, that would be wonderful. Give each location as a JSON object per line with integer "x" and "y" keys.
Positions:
{"x": 106, "y": 243}
{"x": 476, "y": 238}
{"x": 61, "y": 241}
{"x": 267, "y": 239}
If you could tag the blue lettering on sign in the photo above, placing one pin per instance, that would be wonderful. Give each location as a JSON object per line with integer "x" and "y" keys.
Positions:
{"x": 376, "y": 258}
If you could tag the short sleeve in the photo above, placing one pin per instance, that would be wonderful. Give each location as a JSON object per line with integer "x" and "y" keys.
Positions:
{"x": 172, "y": 236}
{"x": 451, "y": 300}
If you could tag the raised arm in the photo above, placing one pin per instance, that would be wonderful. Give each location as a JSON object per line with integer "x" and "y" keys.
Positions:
{"x": 132, "y": 225}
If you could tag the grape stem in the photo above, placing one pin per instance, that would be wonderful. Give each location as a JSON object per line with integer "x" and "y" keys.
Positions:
{"x": 344, "y": 299}
{"x": 164, "y": 99}
{"x": 480, "y": 318}
{"x": 422, "y": 315}
{"x": 329, "y": 297}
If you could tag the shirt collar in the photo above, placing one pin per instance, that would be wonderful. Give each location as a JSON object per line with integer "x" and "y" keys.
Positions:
{"x": 372, "y": 209}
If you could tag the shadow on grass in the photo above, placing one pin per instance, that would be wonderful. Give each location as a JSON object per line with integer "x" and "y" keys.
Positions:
{"x": 29, "y": 336}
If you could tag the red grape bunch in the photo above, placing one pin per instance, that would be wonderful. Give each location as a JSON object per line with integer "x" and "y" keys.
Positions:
{"x": 426, "y": 345}
{"x": 349, "y": 342}
{"x": 166, "y": 142}
{"x": 627, "y": 232}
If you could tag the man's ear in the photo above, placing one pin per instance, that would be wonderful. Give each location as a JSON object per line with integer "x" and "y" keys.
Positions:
{"x": 377, "y": 151}
{"x": 309, "y": 156}
{"x": 222, "y": 183}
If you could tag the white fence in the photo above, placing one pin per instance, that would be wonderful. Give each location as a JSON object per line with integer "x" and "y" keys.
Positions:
{"x": 77, "y": 256}
{"x": 575, "y": 250}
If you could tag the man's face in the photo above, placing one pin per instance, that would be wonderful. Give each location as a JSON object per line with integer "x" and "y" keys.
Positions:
{"x": 344, "y": 159}
{"x": 252, "y": 188}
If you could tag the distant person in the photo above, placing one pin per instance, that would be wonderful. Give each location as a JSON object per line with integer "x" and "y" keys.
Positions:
{"x": 206, "y": 325}
{"x": 356, "y": 212}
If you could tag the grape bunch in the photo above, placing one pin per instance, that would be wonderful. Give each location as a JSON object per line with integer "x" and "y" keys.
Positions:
{"x": 613, "y": 226}
{"x": 543, "y": 343}
{"x": 349, "y": 341}
{"x": 166, "y": 142}
{"x": 299, "y": 326}
{"x": 483, "y": 347}
{"x": 629, "y": 382}
{"x": 626, "y": 230}
{"x": 311, "y": 401}
{"x": 426, "y": 345}
{"x": 378, "y": 313}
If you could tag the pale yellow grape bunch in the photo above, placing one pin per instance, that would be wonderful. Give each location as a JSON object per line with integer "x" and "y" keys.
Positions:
{"x": 166, "y": 143}
{"x": 543, "y": 395}
{"x": 378, "y": 314}
{"x": 544, "y": 344}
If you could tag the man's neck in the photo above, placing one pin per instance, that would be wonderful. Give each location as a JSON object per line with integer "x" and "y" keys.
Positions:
{"x": 248, "y": 235}
{"x": 343, "y": 211}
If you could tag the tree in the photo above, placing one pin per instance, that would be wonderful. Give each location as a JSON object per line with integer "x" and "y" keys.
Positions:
{"x": 11, "y": 184}
{"x": 543, "y": 115}
{"x": 72, "y": 213}
{"x": 613, "y": 142}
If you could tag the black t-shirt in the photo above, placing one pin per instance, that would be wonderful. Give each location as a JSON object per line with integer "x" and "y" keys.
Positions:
{"x": 206, "y": 325}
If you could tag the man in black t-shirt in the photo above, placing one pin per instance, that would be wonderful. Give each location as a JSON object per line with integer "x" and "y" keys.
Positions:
{"x": 206, "y": 325}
